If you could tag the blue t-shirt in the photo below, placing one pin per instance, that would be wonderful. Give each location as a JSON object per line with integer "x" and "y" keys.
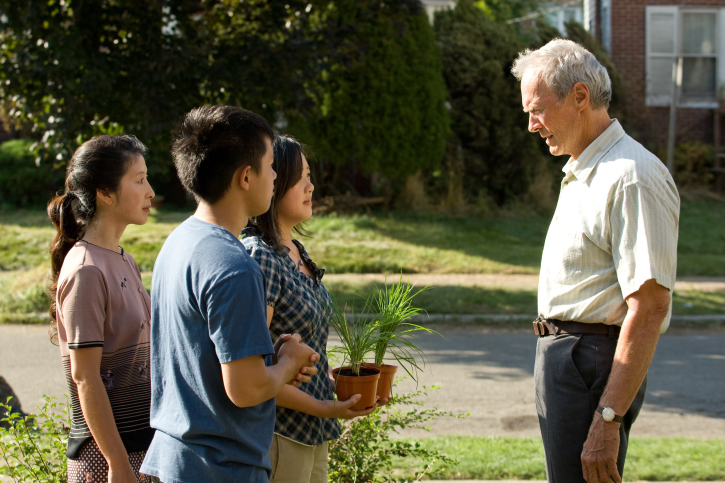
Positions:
{"x": 208, "y": 307}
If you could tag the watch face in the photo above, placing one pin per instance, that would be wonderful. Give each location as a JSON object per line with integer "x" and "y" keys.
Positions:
{"x": 608, "y": 414}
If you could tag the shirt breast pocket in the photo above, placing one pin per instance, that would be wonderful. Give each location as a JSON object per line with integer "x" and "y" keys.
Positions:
{"x": 564, "y": 256}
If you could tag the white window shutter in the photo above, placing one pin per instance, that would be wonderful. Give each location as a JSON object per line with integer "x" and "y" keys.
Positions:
{"x": 661, "y": 45}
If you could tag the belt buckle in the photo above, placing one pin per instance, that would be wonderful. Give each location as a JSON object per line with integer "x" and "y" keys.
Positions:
{"x": 541, "y": 328}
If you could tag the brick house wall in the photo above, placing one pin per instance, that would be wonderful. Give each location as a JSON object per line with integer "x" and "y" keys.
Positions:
{"x": 650, "y": 124}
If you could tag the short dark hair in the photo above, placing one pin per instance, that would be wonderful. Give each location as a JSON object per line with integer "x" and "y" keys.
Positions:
{"x": 212, "y": 143}
{"x": 288, "y": 164}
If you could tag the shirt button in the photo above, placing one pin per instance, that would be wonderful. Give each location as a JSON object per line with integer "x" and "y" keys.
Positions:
{"x": 139, "y": 289}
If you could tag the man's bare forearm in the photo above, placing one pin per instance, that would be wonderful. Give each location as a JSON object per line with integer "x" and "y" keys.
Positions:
{"x": 636, "y": 347}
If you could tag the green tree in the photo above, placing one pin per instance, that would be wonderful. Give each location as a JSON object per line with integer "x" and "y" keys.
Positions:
{"x": 378, "y": 105}
{"x": 74, "y": 69}
{"x": 501, "y": 10}
{"x": 492, "y": 153}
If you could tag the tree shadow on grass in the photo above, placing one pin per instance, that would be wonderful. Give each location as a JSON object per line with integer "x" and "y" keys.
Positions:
{"x": 510, "y": 240}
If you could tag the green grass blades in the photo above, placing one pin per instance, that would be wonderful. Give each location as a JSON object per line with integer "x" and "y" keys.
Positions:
{"x": 499, "y": 457}
{"x": 392, "y": 241}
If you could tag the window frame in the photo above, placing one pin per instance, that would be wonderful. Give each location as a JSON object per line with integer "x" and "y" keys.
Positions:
{"x": 664, "y": 100}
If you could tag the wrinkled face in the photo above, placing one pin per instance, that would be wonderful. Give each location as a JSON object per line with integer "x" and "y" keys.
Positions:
{"x": 261, "y": 184}
{"x": 556, "y": 121}
{"x": 133, "y": 198}
{"x": 296, "y": 205}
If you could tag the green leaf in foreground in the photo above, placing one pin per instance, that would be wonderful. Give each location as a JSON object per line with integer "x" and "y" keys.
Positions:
{"x": 32, "y": 448}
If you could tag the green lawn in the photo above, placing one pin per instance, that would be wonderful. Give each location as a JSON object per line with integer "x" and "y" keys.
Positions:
{"x": 392, "y": 242}
{"x": 650, "y": 459}
{"x": 411, "y": 242}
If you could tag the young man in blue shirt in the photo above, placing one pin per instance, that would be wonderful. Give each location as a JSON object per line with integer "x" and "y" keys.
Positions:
{"x": 212, "y": 378}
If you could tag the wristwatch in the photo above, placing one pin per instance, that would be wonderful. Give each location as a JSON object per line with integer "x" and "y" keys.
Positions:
{"x": 609, "y": 415}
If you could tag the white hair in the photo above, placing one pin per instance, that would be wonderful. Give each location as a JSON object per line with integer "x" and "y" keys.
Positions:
{"x": 561, "y": 64}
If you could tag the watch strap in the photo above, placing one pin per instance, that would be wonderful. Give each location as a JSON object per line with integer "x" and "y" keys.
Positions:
{"x": 617, "y": 417}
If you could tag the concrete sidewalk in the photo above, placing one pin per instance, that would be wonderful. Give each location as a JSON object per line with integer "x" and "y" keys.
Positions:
{"x": 515, "y": 281}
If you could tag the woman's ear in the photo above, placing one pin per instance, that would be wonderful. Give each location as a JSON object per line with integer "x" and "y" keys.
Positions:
{"x": 105, "y": 197}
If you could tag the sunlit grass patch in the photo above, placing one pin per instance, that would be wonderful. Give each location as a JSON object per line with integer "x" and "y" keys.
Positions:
{"x": 693, "y": 302}
{"x": 25, "y": 292}
{"x": 498, "y": 457}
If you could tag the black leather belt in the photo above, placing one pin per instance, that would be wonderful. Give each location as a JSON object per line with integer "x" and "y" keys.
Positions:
{"x": 544, "y": 327}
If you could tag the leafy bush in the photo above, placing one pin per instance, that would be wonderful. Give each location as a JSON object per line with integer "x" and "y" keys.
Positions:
{"x": 33, "y": 447}
{"x": 22, "y": 180}
{"x": 364, "y": 453}
{"x": 693, "y": 160}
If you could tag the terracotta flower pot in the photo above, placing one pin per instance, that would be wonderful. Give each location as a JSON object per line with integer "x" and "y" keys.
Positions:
{"x": 385, "y": 384}
{"x": 347, "y": 386}
{"x": 387, "y": 376}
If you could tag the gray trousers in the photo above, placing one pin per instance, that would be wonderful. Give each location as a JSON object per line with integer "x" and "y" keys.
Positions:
{"x": 570, "y": 374}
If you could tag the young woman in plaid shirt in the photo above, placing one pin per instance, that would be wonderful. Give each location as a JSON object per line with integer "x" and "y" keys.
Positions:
{"x": 306, "y": 416}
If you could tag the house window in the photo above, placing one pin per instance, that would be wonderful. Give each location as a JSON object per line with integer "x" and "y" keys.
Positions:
{"x": 697, "y": 36}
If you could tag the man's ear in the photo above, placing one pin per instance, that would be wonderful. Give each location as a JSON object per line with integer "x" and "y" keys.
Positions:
{"x": 243, "y": 177}
{"x": 581, "y": 95}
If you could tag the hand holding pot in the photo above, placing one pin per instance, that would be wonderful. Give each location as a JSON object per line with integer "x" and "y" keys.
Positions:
{"x": 297, "y": 355}
{"x": 341, "y": 409}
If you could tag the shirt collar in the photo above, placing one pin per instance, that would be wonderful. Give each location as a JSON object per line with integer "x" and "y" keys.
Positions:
{"x": 317, "y": 273}
{"x": 582, "y": 167}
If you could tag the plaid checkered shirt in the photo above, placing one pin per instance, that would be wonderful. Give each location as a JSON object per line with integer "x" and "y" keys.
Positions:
{"x": 299, "y": 307}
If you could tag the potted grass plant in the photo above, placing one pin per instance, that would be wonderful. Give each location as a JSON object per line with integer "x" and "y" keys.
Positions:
{"x": 359, "y": 336}
{"x": 393, "y": 309}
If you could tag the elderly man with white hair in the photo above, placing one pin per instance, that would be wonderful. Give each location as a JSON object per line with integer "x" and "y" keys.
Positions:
{"x": 607, "y": 270}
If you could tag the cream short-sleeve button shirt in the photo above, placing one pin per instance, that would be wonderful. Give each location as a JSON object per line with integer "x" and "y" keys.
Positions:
{"x": 615, "y": 227}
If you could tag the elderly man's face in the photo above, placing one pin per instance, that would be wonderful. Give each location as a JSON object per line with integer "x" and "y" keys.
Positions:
{"x": 557, "y": 122}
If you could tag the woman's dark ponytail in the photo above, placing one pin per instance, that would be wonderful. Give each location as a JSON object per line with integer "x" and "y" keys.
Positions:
{"x": 98, "y": 164}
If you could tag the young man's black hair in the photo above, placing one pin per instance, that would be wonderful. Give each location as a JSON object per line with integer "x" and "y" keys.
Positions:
{"x": 212, "y": 143}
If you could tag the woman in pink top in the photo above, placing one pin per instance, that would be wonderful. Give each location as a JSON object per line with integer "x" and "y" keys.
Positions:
{"x": 101, "y": 311}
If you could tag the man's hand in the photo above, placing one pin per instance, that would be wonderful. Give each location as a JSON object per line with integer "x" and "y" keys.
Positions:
{"x": 647, "y": 308}
{"x": 306, "y": 373}
{"x": 282, "y": 339}
{"x": 601, "y": 449}
{"x": 299, "y": 355}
